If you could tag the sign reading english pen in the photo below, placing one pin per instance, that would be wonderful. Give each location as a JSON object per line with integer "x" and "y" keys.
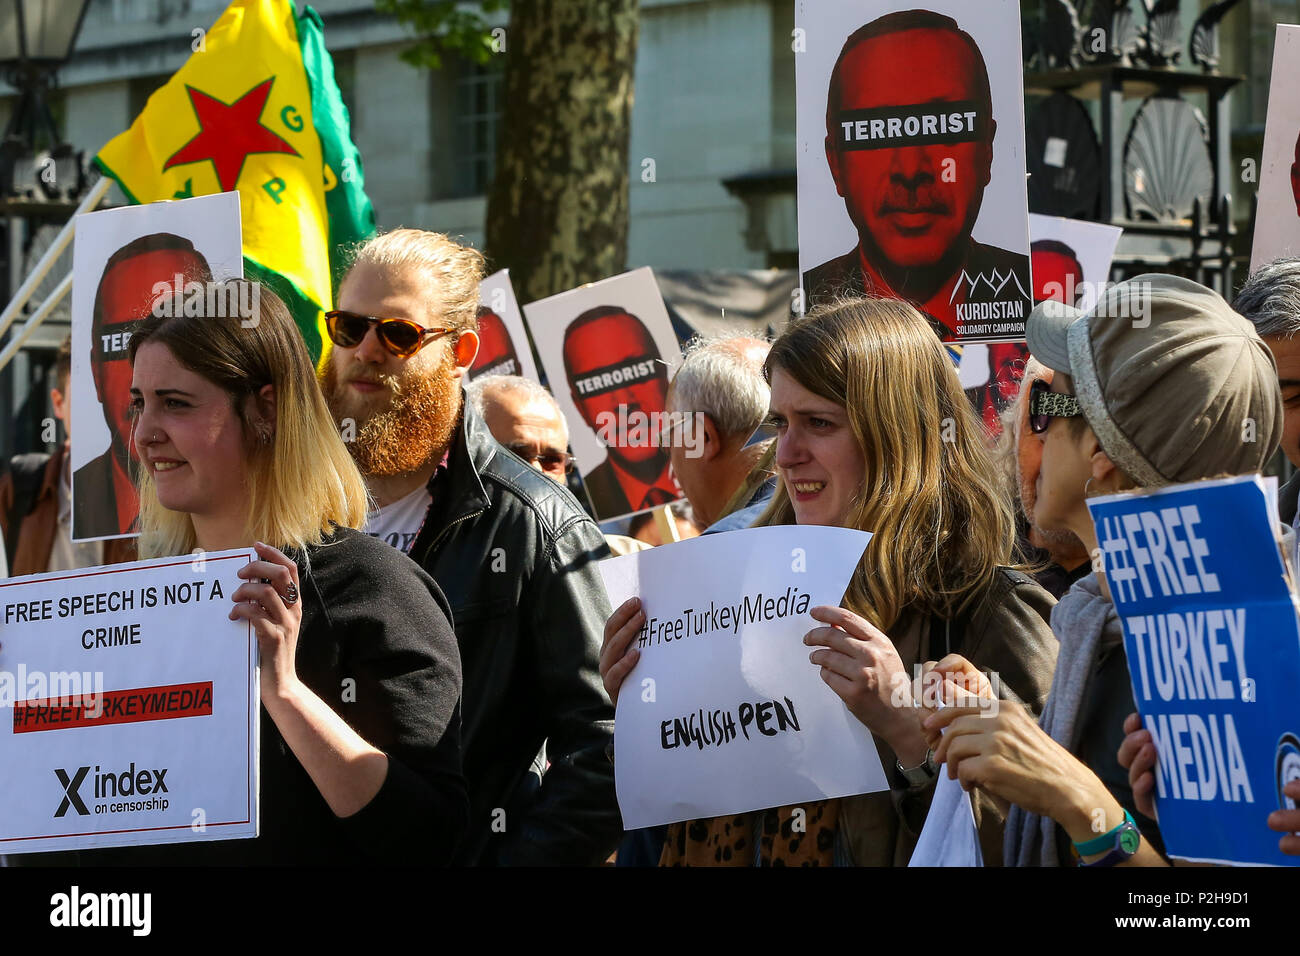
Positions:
{"x": 723, "y": 712}
{"x": 129, "y": 706}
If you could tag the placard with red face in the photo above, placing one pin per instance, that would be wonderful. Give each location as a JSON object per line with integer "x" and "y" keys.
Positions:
{"x": 1277, "y": 221}
{"x": 609, "y": 351}
{"x": 503, "y": 344}
{"x": 911, "y": 160}
{"x": 122, "y": 258}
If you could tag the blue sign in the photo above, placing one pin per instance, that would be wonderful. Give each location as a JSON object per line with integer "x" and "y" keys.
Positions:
{"x": 1213, "y": 646}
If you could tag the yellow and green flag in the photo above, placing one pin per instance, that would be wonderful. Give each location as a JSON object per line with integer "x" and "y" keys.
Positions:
{"x": 256, "y": 108}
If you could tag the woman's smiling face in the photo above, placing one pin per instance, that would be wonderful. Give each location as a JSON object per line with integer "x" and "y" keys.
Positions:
{"x": 821, "y": 463}
{"x": 189, "y": 438}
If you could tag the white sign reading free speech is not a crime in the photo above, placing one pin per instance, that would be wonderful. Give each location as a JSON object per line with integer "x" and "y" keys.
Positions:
{"x": 130, "y": 706}
{"x": 724, "y": 713}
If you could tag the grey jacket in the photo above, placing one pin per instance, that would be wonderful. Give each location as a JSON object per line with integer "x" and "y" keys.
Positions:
{"x": 515, "y": 554}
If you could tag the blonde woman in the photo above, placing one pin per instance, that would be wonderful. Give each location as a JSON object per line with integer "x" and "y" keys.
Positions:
{"x": 236, "y": 446}
{"x": 875, "y": 433}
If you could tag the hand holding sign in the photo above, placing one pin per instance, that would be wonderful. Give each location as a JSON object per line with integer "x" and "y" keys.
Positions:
{"x": 1137, "y": 755}
{"x": 862, "y": 666}
{"x": 1288, "y": 821}
{"x": 275, "y": 619}
{"x": 617, "y": 655}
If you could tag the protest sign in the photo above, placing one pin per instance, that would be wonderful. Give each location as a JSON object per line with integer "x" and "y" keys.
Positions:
{"x": 608, "y": 349}
{"x": 1070, "y": 263}
{"x": 911, "y": 159}
{"x": 1277, "y": 218}
{"x": 130, "y": 706}
{"x": 1070, "y": 259}
{"x": 1213, "y": 647}
{"x": 125, "y": 261}
{"x": 503, "y": 347}
{"x": 724, "y": 713}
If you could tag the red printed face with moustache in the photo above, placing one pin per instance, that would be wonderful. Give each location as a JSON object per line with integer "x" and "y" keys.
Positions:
{"x": 913, "y": 206}
{"x": 617, "y": 340}
{"x": 496, "y": 353}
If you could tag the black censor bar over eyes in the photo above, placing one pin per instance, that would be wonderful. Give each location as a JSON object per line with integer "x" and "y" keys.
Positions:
{"x": 611, "y": 377}
{"x": 921, "y": 125}
{"x": 111, "y": 341}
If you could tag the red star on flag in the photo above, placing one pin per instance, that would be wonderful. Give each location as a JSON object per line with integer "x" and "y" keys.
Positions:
{"x": 229, "y": 133}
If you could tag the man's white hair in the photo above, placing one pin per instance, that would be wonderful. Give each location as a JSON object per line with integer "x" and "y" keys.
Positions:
{"x": 722, "y": 376}
{"x": 489, "y": 388}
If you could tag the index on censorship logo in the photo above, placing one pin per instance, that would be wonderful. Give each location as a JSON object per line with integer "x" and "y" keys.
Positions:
{"x": 126, "y": 791}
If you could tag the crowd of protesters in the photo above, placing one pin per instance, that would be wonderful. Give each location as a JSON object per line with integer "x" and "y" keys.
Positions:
{"x": 439, "y": 559}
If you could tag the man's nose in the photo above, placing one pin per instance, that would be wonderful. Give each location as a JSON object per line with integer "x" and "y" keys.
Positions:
{"x": 911, "y": 168}
{"x": 370, "y": 350}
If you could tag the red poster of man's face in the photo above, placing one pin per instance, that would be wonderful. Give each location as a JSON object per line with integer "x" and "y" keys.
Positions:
{"x": 1056, "y": 276}
{"x": 496, "y": 353}
{"x": 614, "y": 340}
{"x": 915, "y": 204}
{"x": 125, "y": 297}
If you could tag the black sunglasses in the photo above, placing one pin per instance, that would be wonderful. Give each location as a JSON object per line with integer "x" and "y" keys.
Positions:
{"x": 402, "y": 337}
{"x": 1045, "y": 404}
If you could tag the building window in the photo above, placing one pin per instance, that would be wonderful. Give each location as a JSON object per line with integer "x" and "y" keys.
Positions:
{"x": 478, "y": 115}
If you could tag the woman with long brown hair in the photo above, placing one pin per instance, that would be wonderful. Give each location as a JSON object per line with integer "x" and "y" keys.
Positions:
{"x": 875, "y": 433}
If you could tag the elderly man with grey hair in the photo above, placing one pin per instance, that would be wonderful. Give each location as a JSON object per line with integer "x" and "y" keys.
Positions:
{"x": 523, "y": 416}
{"x": 1271, "y": 300}
{"x": 719, "y": 393}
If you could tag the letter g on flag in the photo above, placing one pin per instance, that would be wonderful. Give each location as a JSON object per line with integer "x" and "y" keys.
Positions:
{"x": 70, "y": 795}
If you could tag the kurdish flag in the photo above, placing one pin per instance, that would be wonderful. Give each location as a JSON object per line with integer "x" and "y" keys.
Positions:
{"x": 256, "y": 109}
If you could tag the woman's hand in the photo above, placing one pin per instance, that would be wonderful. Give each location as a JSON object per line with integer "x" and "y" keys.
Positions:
{"x": 860, "y": 663}
{"x": 617, "y": 655}
{"x": 275, "y": 611}
{"x": 952, "y": 682}
{"x": 1288, "y": 821}
{"x": 1005, "y": 753}
{"x": 1137, "y": 755}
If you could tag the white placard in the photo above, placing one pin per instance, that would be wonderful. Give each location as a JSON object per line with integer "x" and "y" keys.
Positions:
{"x": 1277, "y": 219}
{"x": 131, "y": 706}
{"x": 609, "y": 351}
{"x": 724, "y": 713}
{"x": 503, "y": 347}
{"x": 1071, "y": 258}
{"x": 118, "y": 257}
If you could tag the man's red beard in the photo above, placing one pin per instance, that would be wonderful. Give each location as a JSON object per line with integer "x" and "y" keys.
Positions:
{"x": 401, "y": 430}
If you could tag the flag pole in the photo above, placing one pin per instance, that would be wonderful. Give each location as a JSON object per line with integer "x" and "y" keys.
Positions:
{"x": 56, "y": 248}
{"x": 36, "y": 318}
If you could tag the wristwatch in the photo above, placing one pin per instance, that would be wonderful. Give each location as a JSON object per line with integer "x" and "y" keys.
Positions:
{"x": 919, "y": 776}
{"x": 1123, "y": 841}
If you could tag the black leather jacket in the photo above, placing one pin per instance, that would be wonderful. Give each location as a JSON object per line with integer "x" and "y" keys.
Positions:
{"x": 515, "y": 555}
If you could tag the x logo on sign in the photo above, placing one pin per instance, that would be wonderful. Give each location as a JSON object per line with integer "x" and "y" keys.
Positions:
{"x": 70, "y": 795}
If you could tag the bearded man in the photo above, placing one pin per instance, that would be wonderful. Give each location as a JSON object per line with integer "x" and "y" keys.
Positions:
{"x": 513, "y": 551}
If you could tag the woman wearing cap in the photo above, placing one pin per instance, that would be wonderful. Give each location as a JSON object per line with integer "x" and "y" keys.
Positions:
{"x": 236, "y": 446}
{"x": 875, "y": 433}
{"x": 1152, "y": 388}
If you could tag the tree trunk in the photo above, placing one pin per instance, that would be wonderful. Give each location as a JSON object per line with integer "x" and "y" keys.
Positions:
{"x": 557, "y": 213}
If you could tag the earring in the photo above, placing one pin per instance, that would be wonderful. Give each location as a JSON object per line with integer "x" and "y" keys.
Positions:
{"x": 265, "y": 436}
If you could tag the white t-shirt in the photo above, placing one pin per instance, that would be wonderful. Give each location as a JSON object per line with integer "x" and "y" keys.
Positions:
{"x": 400, "y": 522}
